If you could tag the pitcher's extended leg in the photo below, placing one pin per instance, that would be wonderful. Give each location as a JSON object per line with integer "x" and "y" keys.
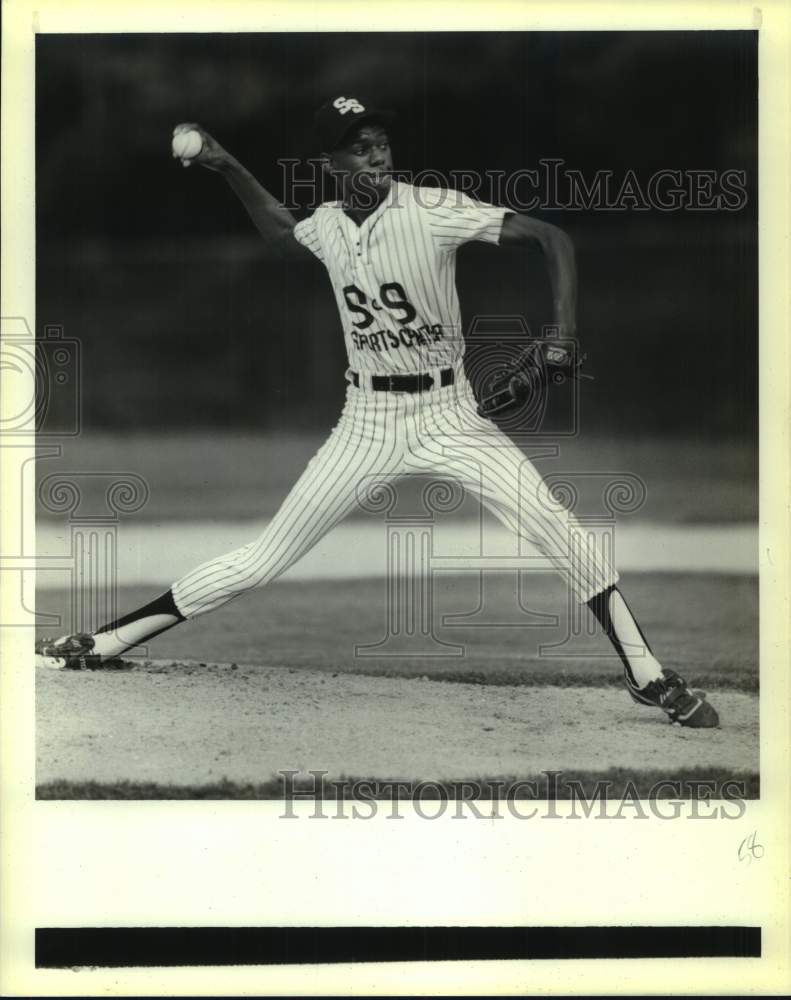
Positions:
{"x": 508, "y": 484}
{"x": 359, "y": 449}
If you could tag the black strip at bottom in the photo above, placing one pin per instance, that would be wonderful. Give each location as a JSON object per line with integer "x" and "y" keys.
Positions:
{"x": 64, "y": 947}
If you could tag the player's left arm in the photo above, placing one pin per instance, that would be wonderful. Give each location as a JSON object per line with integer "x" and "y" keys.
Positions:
{"x": 558, "y": 250}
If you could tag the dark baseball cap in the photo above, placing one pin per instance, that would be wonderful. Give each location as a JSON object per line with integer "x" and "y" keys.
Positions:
{"x": 341, "y": 114}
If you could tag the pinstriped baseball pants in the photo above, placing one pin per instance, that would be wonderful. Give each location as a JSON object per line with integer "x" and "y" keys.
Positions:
{"x": 381, "y": 435}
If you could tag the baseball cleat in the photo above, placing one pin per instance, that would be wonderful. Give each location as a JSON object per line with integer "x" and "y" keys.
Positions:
{"x": 677, "y": 700}
{"x": 71, "y": 652}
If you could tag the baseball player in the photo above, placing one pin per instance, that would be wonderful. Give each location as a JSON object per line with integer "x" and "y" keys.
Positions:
{"x": 390, "y": 251}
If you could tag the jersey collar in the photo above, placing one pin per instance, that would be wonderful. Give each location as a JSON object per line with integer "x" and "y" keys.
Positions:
{"x": 389, "y": 199}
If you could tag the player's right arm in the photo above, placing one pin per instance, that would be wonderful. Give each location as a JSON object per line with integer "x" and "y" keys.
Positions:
{"x": 274, "y": 222}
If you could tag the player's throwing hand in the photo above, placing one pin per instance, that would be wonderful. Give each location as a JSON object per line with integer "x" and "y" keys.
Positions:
{"x": 193, "y": 144}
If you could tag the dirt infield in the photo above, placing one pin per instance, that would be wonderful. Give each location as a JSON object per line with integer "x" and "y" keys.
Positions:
{"x": 168, "y": 724}
{"x": 300, "y": 698}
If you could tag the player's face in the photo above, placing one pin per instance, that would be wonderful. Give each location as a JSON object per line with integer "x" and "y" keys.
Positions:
{"x": 364, "y": 161}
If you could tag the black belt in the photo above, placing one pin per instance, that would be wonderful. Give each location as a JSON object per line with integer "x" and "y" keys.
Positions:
{"x": 405, "y": 383}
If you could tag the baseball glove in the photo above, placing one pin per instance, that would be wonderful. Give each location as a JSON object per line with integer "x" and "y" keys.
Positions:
{"x": 541, "y": 364}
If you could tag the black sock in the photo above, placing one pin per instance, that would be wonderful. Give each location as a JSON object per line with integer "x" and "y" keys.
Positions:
{"x": 163, "y": 605}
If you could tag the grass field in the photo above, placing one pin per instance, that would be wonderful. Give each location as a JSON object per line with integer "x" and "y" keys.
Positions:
{"x": 217, "y": 707}
{"x": 246, "y": 476}
{"x": 705, "y": 626}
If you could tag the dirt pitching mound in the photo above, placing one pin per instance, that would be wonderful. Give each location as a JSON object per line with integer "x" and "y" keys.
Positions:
{"x": 188, "y": 724}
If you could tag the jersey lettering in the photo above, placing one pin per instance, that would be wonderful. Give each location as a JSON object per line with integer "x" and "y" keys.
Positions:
{"x": 356, "y": 307}
{"x": 384, "y": 340}
{"x": 398, "y": 301}
{"x": 392, "y": 295}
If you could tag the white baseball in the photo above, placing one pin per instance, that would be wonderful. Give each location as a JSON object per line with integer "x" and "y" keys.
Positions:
{"x": 187, "y": 145}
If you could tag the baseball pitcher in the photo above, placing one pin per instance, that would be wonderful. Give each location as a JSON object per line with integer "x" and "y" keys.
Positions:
{"x": 390, "y": 251}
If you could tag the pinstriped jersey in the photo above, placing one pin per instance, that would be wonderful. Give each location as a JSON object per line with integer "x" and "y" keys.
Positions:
{"x": 394, "y": 275}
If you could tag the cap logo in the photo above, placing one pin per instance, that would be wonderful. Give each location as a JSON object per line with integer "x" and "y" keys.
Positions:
{"x": 345, "y": 104}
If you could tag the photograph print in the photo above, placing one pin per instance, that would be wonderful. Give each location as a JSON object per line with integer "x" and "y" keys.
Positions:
{"x": 397, "y": 416}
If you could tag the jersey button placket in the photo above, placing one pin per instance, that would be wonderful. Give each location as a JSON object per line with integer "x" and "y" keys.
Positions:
{"x": 362, "y": 252}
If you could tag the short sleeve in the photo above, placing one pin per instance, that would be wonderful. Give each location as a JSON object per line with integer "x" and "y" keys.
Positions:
{"x": 456, "y": 219}
{"x": 306, "y": 233}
